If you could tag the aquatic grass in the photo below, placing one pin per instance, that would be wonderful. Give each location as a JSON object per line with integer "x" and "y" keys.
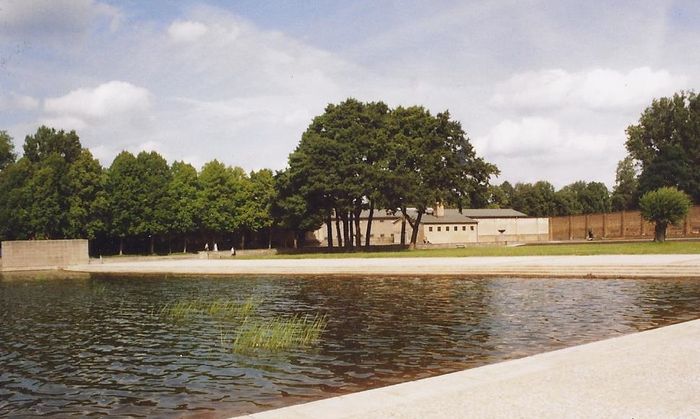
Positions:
{"x": 279, "y": 333}
{"x": 182, "y": 310}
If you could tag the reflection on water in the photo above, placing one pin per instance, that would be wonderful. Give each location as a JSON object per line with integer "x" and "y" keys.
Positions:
{"x": 79, "y": 346}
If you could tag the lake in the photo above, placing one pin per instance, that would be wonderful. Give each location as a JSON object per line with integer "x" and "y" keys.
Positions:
{"x": 95, "y": 344}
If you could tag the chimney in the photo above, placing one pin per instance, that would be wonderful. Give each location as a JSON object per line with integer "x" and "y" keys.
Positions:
{"x": 439, "y": 210}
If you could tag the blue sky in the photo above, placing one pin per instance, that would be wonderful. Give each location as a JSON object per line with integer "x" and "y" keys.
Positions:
{"x": 544, "y": 89}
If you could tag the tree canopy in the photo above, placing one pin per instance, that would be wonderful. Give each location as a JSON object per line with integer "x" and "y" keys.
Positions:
{"x": 664, "y": 206}
{"x": 666, "y": 143}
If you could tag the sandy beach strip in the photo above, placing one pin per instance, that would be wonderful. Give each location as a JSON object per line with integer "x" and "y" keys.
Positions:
{"x": 602, "y": 266}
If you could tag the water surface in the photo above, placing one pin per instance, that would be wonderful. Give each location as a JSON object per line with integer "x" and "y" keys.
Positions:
{"x": 93, "y": 345}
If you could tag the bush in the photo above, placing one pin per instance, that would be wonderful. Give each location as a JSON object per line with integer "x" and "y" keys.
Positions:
{"x": 664, "y": 206}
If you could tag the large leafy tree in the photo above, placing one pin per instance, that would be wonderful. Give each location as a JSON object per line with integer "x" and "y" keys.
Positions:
{"x": 624, "y": 194}
{"x": 154, "y": 203}
{"x": 432, "y": 161}
{"x": 87, "y": 199}
{"x": 664, "y": 206}
{"x": 122, "y": 187}
{"x": 666, "y": 143}
{"x": 15, "y": 201}
{"x": 220, "y": 196}
{"x": 182, "y": 194}
{"x": 7, "y": 150}
{"x": 257, "y": 210}
{"x": 536, "y": 200}
{"x": 588, "y": 197}
{"x": 50, "y": 154}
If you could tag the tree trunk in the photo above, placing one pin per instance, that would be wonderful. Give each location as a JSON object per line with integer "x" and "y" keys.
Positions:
{"x": 358, "y": 231}
{"x": 243, "y": 241}
{"x": 403, "y": 230}
{"x": 346, "y": 231}
{"x": 151, "y": 246}
{"x": 184, "y": 246}
{"x": 351, "y": 226}
{"x": 121, "y": 246}
{"x": 329, "y": 229}
{"x": 414, "y": 233}
{"x": 660, "y": 232}
{"x": 369, "y": 224}
{"x": 337, "y": 228}
{"x": 269, "y": 238}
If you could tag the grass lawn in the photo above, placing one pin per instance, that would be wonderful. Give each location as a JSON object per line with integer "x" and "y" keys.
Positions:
{"x": 593, "y": 248}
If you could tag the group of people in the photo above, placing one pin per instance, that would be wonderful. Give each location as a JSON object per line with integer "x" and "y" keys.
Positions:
{"x": 216, "y": 248}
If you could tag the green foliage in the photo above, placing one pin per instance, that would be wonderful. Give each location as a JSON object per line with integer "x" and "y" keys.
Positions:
{"x": 664, "y": 206}
{"x": 588, "y": 197}
{"x": 122, "y": 187}
{"x": 666, "y": 142}
{"x": 624, "y": 195}
{"x": 182, "y": 196}
{"x": 277, "y": 333}
{"x": 47, "y": 141}
{"x": 7, "y": 150}
{"x": 87, "y": 200}
{"x": 222, "y": 193}
{"x": 153, "y": 204}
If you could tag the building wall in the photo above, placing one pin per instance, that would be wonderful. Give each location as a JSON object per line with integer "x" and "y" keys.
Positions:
{"x": 384, "y": 231}
{"x": 619, "y": 225}
{"x": 43, "y": 254}
{"x": 449, "y": 233}
{"x": 515, "y": 229}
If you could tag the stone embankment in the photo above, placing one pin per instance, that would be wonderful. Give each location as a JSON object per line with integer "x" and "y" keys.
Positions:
{"x": 652, "y": 374}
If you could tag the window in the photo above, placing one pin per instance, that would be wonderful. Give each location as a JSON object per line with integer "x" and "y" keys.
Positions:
{"x": 455, "y": 228}
{"x": 381, "y": 236}
{"x": 464, "y": 228}
{"x": 430, "y": 229}
{"x": 471, "y": 228}
{"x": 439, "y": 228}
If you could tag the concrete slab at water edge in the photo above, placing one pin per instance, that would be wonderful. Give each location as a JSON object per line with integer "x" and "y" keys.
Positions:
{"x": 603, "y": 266}
{"x": 651, "y": 374}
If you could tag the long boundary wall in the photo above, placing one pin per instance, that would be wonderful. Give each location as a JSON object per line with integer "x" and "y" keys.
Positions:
{"x": 43, "y": 254}
{"x": 619, "y": 225}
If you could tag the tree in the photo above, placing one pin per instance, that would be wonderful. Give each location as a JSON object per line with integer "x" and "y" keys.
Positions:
{"x": 258, "y": 207}
{"x": 291, "y": 209}
{"x": 624, "y": 195}
{"x": 15, "y": 201}
{"x": 536, "y": 200}
{"x": 666, "y": 142}
{"x": 432, "y": 161}
{"x": 589, "y": 197}
{"x": 664, "y": 206}
{"x": 220, "y": 197}
{"x": 7, "y": 150}
{"x": 122, "y": 187}
{"x": 182, "y": 194}
{"x": 152, "y": 198}
{"x": 87, "y": 200}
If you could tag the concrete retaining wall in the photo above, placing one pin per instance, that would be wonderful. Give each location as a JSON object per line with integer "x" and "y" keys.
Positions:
{"x": 43, "y": 254}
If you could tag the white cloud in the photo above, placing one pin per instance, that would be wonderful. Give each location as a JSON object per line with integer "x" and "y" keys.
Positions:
{"x": 18, "y": 102}
{"x": 52, "y": 18}
{"x": 108, "y": 100}
{"x": 599, "y": 88}
{"x": 536, "y": 148}
{"x": 186, "y": 31}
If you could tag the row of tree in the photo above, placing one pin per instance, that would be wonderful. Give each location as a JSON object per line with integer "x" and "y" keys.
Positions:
{"x": 59, "y": 190}
{"x": 355, "y": 156}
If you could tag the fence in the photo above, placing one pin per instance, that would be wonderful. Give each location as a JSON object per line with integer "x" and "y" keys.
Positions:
{"x": 618, "y": 225}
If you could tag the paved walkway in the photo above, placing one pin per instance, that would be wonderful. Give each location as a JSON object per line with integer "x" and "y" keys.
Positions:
{"x": 652, "y": 374}
{"x": 607, "y": 266}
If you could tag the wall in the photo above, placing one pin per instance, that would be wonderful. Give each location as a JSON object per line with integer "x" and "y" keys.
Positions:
{"x": 516, "y": 229}
{"x": 619, "y": 225}
{"x": 466, "y": 233}
{"x": 384, "y": 231}
{"x": 43, "y": 254}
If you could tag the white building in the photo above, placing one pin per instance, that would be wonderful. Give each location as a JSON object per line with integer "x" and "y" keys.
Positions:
{"x": 450, "y": 227}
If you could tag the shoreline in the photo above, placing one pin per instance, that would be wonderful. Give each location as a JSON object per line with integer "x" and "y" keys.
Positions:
{"x": 636, "y": 375}
{"x": 678, "y": 266}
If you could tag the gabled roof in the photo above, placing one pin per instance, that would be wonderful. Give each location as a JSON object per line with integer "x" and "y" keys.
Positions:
{"x": 492, "y": 213}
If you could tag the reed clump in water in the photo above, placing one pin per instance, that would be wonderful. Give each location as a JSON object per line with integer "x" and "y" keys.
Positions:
{"x": 221, "y": 309}
{"x": 243, "y": 330}
{"x": 279, "y": 333}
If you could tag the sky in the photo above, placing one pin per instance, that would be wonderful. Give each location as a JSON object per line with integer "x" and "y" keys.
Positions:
{"x": 543, "y": 89}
